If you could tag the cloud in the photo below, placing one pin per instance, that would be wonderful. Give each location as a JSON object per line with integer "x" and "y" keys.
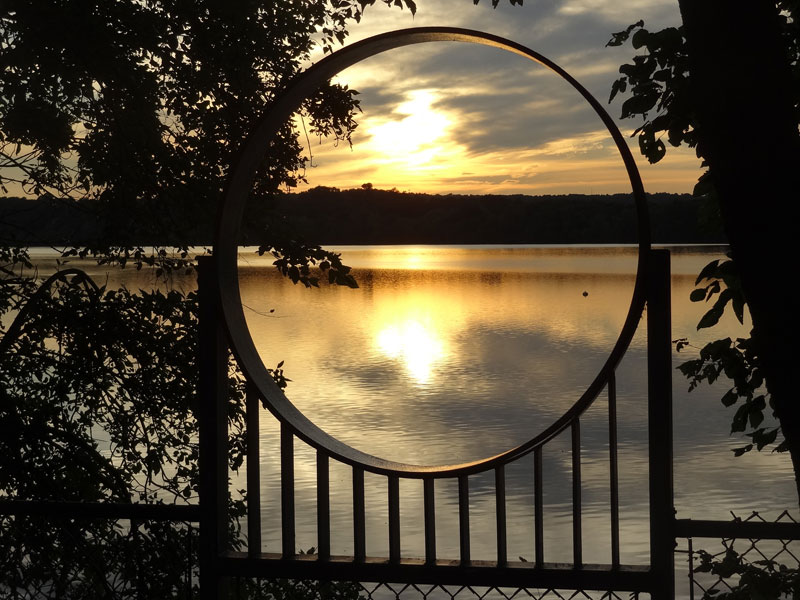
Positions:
{"x": 497, "y": 114}
{"x": 614, "y": 10}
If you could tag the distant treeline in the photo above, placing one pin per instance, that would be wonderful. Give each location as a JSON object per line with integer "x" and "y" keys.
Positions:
{"x": 370, "y": 216}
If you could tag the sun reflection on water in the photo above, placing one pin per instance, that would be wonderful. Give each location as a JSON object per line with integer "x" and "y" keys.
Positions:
{"x": 416, "y": 344}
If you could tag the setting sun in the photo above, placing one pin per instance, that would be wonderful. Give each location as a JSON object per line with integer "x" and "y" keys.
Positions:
{"x": 416, "y": 139}
{"x": 491, "y": 124}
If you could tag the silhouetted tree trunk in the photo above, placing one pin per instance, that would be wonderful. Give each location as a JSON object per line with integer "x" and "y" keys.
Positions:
{"x": 748, "y": 130}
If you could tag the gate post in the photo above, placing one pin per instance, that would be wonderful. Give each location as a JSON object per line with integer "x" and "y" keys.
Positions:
{"x": 213, "y": 432}
{"x": 659, "y": 391}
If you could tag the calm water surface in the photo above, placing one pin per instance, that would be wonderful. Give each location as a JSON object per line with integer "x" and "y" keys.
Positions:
{"x": 449, "y": 354}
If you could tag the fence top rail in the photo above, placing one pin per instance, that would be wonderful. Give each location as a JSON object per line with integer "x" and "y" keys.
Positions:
{"x": 228, "y": 234}
{"x": 693, "y": 528}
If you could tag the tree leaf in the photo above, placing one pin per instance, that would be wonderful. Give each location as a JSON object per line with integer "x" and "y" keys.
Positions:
{"x": 742, "y": 450}
{"x": 618, "y": 86}
{"x": 708, "y": 272}
{"x": 640, "y": 38}
{"x": 698, "y": 295}
{"x": 730, "y": 397}
{"x": 711, "y": 317}
{"x": 619, "y": 38}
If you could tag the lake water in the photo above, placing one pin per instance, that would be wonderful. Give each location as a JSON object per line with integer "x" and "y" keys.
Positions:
{"x": 448, "y": 354}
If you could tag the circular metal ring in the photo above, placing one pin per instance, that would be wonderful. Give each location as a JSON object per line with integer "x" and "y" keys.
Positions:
{"x": 226, "y": 251}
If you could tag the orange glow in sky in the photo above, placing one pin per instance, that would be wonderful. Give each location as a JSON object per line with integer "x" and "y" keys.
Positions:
{"x": 450, "y": 117}
{"x": 416, "y": 147}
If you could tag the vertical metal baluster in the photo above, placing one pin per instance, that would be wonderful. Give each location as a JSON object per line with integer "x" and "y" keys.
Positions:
{"x": 394, "y": 519}
{"x": 430, "y": 521}
{"x": 613, "y": 469}
{"x": 252, "y": 403}
{"x": 359, "y": 519}
{"x": 500, "y": 511}
{"x": 287, "y": 491}
{"x": 463, "y": 517}
{"x": 213, "y": 433}
{"x": 538, "y": 507}
{"x": 188, "y": 561}
{"x": 691, "y": 570}
{"x": 659, "y": 391}
{"x": 323, "y": 507}
{"x": 577, "y": 541}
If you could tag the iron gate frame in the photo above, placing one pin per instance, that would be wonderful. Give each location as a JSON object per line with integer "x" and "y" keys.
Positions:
{"x": 217, "y": 564}
{"x": 225, "y": 327}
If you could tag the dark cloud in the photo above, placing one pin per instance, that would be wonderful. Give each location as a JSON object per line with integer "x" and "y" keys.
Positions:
{"x": 515, "y": 103}
{"x": 499, "y": 102}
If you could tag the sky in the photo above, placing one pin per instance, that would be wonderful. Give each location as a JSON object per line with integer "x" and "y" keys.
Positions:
{"x": 450, "y": 117}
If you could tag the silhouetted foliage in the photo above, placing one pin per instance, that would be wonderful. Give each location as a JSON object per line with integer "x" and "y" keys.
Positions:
{"x": 96, "y": 409}
{"x": 736, "y": 359}
{"x": 764, "y": 579}
{"x": 657, "y": 82}
{"x": 130, "y": 113}
{"x": 738, "y": 105}
{"x": 137, "y": 109}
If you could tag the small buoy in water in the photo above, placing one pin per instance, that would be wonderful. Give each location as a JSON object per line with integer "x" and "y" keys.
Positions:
{"x": 585, "y": 293}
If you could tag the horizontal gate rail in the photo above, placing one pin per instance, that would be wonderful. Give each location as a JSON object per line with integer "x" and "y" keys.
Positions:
{"x": 633, "y": 578}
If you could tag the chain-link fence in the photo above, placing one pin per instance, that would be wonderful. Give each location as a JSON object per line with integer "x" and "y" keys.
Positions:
{"x": 439, "y": 592}
{"x": 727, "y": 568}
{"x": 311, "y": 590}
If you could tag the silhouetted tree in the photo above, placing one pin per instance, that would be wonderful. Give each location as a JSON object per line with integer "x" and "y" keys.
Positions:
{"x": 136, "y": 109}
{"x": 139, "y": 107}
{"x": 725, "y": 84}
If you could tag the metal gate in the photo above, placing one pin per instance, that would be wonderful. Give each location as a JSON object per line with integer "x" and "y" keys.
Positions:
{"x": 223, "y": 324}
{"x": 217, "y": 565}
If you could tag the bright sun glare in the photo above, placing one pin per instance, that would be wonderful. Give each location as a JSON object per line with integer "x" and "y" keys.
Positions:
{"x": 416, "y": 139}
{"x": 417, "y": 346}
